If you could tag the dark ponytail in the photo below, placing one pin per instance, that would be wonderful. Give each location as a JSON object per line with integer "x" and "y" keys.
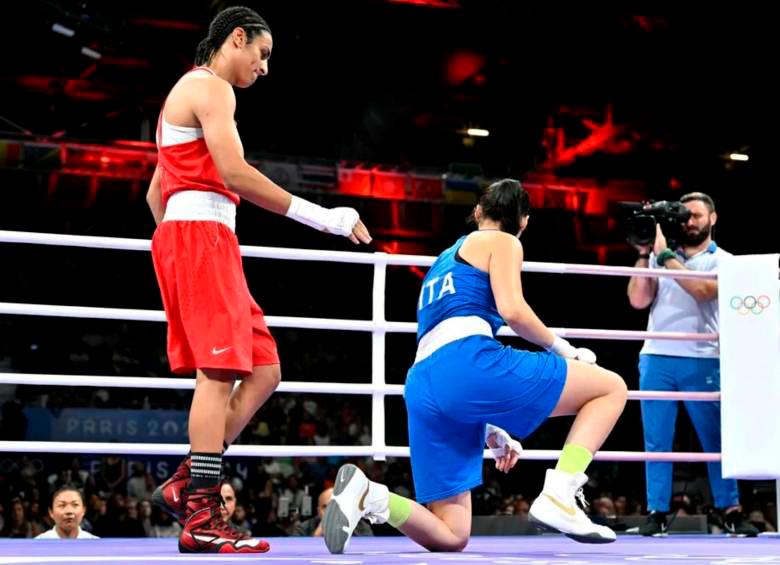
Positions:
{"x": 223, "y": 25}
{"x": 505, "y": 201}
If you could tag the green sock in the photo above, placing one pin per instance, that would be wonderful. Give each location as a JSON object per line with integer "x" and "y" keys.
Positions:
{"x": 400, "y": 510}
{"x": 574, "y": 459}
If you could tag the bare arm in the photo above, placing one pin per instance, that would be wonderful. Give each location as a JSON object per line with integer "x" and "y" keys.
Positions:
{"x": 504, "y": 266}
{"x": 215, "y": 106}
{"x": 701, "y": 290}
{"x": 642, "y": 290}
{"x": 154, "y": 197}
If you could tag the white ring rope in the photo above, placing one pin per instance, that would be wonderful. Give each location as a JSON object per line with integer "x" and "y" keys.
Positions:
{"x": 321, "y": 451}
{"x": 324, "y": 323}
{"x": 378, "y": 326}
{"x": 186, "y": 383}
{"x": 127, "y": 244}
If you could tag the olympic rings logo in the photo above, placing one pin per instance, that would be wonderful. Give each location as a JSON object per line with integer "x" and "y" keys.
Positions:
{"x": 750, "y": 304}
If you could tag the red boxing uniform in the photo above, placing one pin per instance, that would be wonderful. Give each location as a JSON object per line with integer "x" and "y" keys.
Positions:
{"x": 213, "y": 321}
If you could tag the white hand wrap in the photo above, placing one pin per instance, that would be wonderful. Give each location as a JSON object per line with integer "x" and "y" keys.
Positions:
{"x": 339, "y": 221}
{"x": 502, "y": 439}
{"x": 565, "y": 349}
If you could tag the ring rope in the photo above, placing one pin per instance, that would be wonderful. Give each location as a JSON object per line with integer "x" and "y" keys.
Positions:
{"x": 322, "y": 451}
{"x": 16, "y": 308}
{"x": 186, "y": 383}
{"x": 100, "y": 242}
{"x": 377, "y": 325}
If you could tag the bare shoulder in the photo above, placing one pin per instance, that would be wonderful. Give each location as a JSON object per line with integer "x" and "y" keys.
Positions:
{"x": 501, "y": 241}
{"x": 196, "y": 94}
{"x": 200, "y": 90}
{"x": 208, "y": 89}
{"x": 480, "y": 246}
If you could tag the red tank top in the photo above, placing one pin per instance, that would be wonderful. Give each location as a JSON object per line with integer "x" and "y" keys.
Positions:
{"x": 184, "y": 159}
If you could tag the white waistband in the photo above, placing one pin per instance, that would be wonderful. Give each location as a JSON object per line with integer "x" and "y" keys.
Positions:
{"x": 450, "y": 330}
{"x": 201, "y": 205}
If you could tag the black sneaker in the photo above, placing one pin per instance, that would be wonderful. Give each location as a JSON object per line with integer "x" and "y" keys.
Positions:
{"x": 736, "y": 525}
{"x": 655, "y": 526}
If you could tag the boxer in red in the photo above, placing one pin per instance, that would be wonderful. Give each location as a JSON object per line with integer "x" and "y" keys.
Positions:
{"x": 214, "y": 326}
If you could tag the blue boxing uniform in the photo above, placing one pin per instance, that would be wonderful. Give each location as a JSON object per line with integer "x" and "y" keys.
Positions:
{"x": 463, "y": 378}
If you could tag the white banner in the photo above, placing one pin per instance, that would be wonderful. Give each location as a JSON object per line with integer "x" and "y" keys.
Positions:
{"x": 749, "y": 307}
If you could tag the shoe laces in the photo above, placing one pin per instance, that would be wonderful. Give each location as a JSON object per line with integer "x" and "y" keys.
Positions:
{"x": 580, "y": 496}
{"x": 219, "y": 522}
{"x": 223, "y": 526}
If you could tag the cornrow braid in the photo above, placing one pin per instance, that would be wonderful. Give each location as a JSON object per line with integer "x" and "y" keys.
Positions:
{"x": 223, "y": 25}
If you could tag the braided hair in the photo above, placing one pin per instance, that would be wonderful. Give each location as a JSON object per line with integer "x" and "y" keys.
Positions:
{"x": 223, "y": 25}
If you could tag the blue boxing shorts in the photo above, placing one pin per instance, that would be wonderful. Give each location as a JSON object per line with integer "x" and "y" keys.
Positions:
{"x": 453, "y": 393}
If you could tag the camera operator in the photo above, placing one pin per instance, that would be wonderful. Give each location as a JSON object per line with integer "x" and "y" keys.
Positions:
{"x": 682, "y": 305}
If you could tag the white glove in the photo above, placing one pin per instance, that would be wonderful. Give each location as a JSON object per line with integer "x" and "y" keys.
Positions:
{"x": 339, "y": 221}
{"x": 565, "y": 349}
{"x": 500, "y": 440}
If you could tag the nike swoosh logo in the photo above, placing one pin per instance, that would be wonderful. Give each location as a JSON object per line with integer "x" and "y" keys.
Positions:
{"x": 568, "y": 509}
{"x": 175, "y": 498}
{"x": 215, "y": 351}
{"x": 362, "y": 501}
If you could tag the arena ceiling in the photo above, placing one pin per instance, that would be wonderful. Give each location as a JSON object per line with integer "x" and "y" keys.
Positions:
{"x": 399, "y": 81}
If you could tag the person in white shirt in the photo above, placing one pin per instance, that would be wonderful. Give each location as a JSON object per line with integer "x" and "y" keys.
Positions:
{"x": 683, "y": 305}
{"x": 67, "y": 511}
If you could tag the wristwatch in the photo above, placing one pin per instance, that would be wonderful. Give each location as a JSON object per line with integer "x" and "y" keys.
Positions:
{"x": 664, "y": 256}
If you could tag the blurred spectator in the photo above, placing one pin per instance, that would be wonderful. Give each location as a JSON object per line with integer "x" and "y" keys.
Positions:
{"x": 74, "y": 476}
{"x": 292, "y": 493}
{"x": 757, "y": 518}
{"x": 17, "y": 525}
{"x": 140, "y": 485}
{"x": 130, "y": 523}
{"x": 268, "y": 525}
{"x": 67, "y": 511}
{"x": 240, "y": 520}
{"x": 322, "y": 436}
{"x": 35, "y": 517}
{"x": 95, "y": 507}
{"x": 604, "y": 507}
{"x": 228, "y": 509}
{"x": 621, "y": 506}
{"x": 109, "y": 523}
{"x": 164, "y": 525}
{"x": 681, "y": 505}
{"x": 145, "y": 516}
{"x": 307, "y": 429}
{"x": 113, "y": 474}
{"x": 313, "y": 526}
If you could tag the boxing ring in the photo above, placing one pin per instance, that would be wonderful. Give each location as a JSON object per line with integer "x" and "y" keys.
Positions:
{"x": 528, "y": 549}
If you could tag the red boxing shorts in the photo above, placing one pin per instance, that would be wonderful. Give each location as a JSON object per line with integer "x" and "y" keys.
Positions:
{"x": 213, "y": 321}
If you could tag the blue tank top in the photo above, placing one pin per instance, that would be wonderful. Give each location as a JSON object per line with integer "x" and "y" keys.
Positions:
{"x": 452, "y": 288}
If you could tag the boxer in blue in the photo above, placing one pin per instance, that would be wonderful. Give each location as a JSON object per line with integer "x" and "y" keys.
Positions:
{"x": 465, "y": 387}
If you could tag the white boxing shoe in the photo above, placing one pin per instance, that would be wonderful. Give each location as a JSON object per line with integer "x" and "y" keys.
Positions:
{"x": 556, "y": 509}
{"x": 354, "y": 497}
